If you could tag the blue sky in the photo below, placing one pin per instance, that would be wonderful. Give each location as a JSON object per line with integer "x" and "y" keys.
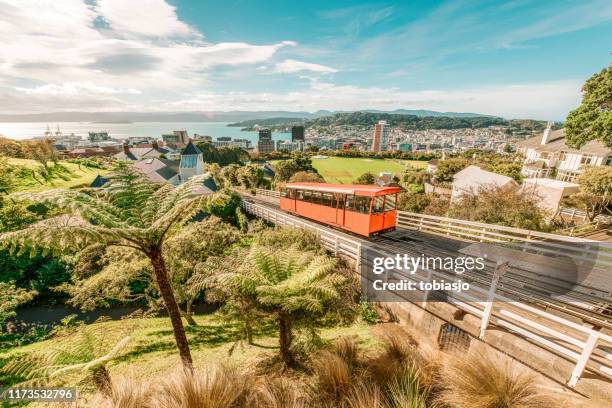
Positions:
{"x": 514, "y": 59}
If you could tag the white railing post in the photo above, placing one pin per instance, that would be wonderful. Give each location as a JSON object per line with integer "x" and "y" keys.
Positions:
{"x": 583, "y": 360}
{"x": 500, "y": 269}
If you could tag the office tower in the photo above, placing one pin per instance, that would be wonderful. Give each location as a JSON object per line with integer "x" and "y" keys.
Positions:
{"x": 297, "y": 133}
{"x": 265, "y": 144}
{"x": 380, "y": 138}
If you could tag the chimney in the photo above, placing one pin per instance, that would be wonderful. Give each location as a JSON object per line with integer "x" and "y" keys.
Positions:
{"x": 546, "y": 134}
{"x": 126, "y": 148}
{"x": 155, "y": 145}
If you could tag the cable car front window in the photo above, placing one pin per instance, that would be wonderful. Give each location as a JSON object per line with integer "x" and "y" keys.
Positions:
{"x": 390, "y": 202}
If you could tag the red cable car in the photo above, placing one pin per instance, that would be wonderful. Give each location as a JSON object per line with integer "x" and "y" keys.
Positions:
{"x": 362, "y": 209}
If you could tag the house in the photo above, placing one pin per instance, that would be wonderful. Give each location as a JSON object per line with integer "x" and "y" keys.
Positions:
{"x": 159, "y": 170}
{"x": 192, "y": 162}
{"x": 472, "y": 179}
{"x": 432, "y": 166}
{"x": 549, "y": 156}
{"x": 142, "y": 151}
{"x": 99, "y": 181}
{"x": 549, "y": 192}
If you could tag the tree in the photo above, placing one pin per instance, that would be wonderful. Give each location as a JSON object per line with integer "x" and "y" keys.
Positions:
{"x": 285, "y": 169}
{"x": 430, "y": 203}
{"x": 448, "y": 168}
{"x": 251, "y": 176}
{"x": 7, "y": 174}
{"x": 229, "y": 174}
{"x": 502, "y": 206}
{"x": 292, "y": 286}
{"x": 191, "y": 247}
{"x": 366, "y": 178}
{"x": 130, "y": 212}
{"x": 595, "y": 194}
{"x": 306, "y": 177}
{"x": 592, "y": 120}
{"x": 42, "y": 151}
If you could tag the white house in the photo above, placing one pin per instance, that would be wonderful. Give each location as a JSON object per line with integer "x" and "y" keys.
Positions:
{"x": 549, "y": 192}
{"x": 192, "y": 162}
{"x": 472, "y": 179}
{"x": 547, "y": 154}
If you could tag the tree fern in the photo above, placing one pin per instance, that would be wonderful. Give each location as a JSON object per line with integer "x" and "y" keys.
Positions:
{"x": 129, "y": 212}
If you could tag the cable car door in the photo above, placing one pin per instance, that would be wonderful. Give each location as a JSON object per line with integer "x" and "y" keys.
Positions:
{"x": 340, "y": 198}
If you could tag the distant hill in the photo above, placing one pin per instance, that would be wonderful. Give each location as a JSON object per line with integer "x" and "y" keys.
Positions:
{"x": 212, "y": 116}
{"x": 270, "y": 122}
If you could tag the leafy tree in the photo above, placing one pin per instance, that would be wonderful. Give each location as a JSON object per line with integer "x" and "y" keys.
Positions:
{"x": 595, "y": 196}
{"x": 285, "y": 169}
{"x": 229, "y": 174}
{"x": 592, "y": 120}
{"x": 502, "y": 206}
{"x": 448, "y": 168}
{"x": 431, "y": 203}
{"x": 7, "y": 175}
{"x": 42, "y": 151}
{"x": 306, "y": 177}
{"x": 366, "y": 178}
{"x": 250, "y": 176}
{"x": 190, "y": 248}
{"x": 293, "y": 287}
{"x": 132, "y": 213}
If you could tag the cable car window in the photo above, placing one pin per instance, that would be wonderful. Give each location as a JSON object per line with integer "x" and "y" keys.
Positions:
{"x": 349, "y": 204}
{"x": 299, "y": 194}
{"x": 328, "y": 199}
{"x": 316, "y": 197}
{"x": 283, "y": 192}
{"x": 379, "y": 202}
{"x": 362, "y": 204}
{"x": 390, "y": 202}
{"x": 340, "y": 200}
{"x": 308, "y": 196}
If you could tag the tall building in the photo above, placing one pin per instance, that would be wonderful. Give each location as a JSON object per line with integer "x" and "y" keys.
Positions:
{"x": 297, "y": 133}
{"x": 380, "y": 138}
{"x": 265, "y": 144}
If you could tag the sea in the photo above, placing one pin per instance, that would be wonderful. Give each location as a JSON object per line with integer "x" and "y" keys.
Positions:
{"x": 28, "y": 130}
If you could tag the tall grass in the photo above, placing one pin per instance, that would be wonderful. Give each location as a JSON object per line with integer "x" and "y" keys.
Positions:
{"x": 489, "y": 380}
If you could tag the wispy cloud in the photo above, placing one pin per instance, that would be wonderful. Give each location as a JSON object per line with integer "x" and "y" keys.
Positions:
{"x": 290, "y": 66}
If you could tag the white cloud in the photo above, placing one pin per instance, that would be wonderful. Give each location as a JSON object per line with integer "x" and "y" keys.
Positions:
{"x": 150, "y": 18}
{"x": 75, "y": 88}
{"x": 290, "y": 66}
{"x": 548, "y": 100}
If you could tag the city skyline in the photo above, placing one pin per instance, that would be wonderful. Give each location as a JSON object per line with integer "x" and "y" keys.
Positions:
{"x": 511, "y": 59}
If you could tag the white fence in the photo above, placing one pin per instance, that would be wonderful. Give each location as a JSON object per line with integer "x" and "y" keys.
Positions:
{"x": 586, "y": 347}
{"x": 574, "y": 213}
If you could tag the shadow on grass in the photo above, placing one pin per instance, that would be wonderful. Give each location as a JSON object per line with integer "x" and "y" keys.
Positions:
{"x": 210, "y": 335}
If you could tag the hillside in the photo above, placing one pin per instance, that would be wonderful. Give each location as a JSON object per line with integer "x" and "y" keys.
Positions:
{"x": 61, "y": 175}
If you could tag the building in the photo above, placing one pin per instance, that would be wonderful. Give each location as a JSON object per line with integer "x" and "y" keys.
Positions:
{"x": 142, "y": 151}
{"x": 98, "y": 136}
{"x": 405, "y": 147}
{"x": 297, "y": 133}
{"x": 472, "y": 179}
{"x": 177, "y": 140}
{"x": 549, "y": 192}
{"x": 380, "y": 138}
{"x": 290, "y": 146}
{"x": 265, "y": 144}
{"x": 192, "y": 162}
{"x": 548, "y": 155}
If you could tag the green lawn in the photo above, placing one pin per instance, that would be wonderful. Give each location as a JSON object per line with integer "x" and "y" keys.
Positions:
{"x": 346, "y": 170}
{"x": 66, "y": 175}
{"x": 151, "y": 352}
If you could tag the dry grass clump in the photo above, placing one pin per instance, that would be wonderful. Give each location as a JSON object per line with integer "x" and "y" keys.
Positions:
{"x": 126, "y": 393}
{"x": 490, "y": 381}
{"x": 217, "y": 387}
{"x": 278, "y": 393}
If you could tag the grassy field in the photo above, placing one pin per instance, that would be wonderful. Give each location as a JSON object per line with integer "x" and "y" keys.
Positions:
{"x": 65, "y": 175}
{"x": 346, "y": 170}
{"x": 151, "y": 353}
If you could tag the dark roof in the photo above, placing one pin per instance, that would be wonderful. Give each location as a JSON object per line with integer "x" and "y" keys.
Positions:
{"x": 99, "y": 181}
{"x": 191, "y": 149}
{"x": 167, "y": 172}
{"x": 210, "y": 184}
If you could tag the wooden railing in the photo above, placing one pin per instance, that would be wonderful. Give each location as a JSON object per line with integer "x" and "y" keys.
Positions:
{"x": 586, "y": 347}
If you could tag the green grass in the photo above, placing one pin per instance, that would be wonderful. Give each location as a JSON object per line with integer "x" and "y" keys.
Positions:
{"x": 64, "y": 175}
{"x": 152, "y": 351}
{"x": 345, "y": 170}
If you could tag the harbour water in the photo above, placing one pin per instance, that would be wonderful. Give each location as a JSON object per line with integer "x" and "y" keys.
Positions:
{"x": 28, "y": 130}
